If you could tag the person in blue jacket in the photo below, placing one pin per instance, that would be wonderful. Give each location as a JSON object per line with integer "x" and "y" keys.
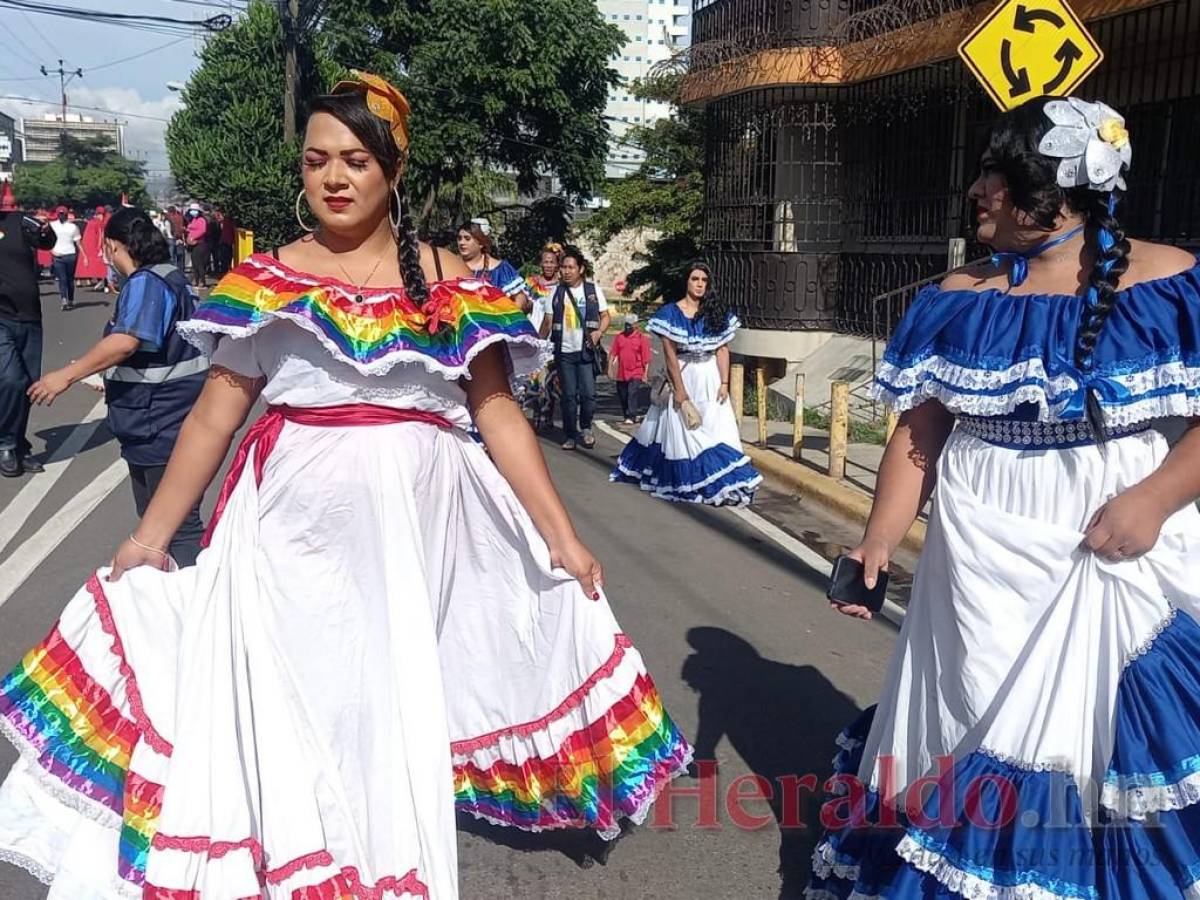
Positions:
{"x": 152, "y": 376}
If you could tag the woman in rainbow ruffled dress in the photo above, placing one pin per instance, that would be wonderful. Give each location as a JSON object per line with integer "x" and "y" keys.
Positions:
{"x": 1047, "y": 673}
{"x": 688, "y": 447}
{"x": 386, "y": 626}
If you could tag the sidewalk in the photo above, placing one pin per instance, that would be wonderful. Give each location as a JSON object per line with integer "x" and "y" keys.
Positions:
{"x": 851, "y": 496}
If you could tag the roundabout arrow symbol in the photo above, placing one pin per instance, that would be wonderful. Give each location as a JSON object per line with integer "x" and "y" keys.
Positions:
{"x": 1068, "y": 54}
{"x": 1018, "y": 79}
{"x": 1024, "y": 18}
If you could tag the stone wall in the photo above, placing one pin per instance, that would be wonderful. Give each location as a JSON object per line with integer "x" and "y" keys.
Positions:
{"x": 615, "y": 260}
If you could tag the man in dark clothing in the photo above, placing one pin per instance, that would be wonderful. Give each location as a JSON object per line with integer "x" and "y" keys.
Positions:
{"x": 228, "y": 241}
{"x": 179, "y": 238}
{"x": 20, "y": 334}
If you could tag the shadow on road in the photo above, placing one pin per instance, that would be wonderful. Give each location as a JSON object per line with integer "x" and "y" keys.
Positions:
{"x": 782, "y": 721}
{"x": 57, "y": 435}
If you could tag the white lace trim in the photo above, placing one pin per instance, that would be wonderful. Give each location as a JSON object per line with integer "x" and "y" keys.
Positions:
{"x": 63, "y": 793}
{"x": 1139, "y": 802}
{"x": 947, "y": 874}
{"x": 537, "y": 353}
{"x": 683, "y": 488}
{"x": 1025, "y": 765}
{"x": 1144, "y": 647}
{"x": 1192, "y": 891}
{"x": 692, "y": 343}
{"x": 939, "y": 379}
{"x": 28, "y": 863}
{"x": 825, "y": 864}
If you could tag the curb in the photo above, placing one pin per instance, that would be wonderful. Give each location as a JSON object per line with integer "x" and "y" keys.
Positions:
{"x": 829, "y": 492}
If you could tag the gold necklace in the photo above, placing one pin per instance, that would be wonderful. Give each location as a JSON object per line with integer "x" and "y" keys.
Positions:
{"x": 358, "y": 297}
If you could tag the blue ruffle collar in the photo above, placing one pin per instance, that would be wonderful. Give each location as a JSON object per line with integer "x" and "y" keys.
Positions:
{"x": 985, "y": 353}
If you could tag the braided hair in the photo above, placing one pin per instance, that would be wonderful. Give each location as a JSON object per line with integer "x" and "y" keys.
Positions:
{"x": 351, "y": 110}
{"x": 712, "y": 310}
{"x": 1032, "y": 181}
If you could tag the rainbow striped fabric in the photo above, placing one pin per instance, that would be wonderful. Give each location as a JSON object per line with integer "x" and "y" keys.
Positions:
{"x": 70, "y": 727}
{"x": 606, "y": 771}
{"x": 461, "y": 317}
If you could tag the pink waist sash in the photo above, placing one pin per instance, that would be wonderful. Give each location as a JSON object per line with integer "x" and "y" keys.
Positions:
{"x": 265, "y": 432}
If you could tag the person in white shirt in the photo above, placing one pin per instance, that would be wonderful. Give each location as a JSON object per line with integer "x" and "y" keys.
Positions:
{"x": 578, "y": 319}
{"x": 68, "y": 247}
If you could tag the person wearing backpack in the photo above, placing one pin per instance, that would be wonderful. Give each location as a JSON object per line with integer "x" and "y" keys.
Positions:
{"x": 579, "y": 317}
{"x": 152, "y": 376}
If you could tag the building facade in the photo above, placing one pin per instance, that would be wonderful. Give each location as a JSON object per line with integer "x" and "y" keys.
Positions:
{"x": 654, "y": 29}
{"x": 42, "y": 135}
{"x": 840, "y": 148}
{"x": 10, "y": 146}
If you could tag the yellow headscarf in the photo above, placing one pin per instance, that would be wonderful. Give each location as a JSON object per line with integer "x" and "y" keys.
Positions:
{"x": 384, "y": 100}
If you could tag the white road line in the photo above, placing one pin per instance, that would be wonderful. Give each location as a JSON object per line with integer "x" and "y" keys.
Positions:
{"x": 892, "y": 611}
{"x": 17, "y": 513}
{"x": 29, "y": 555}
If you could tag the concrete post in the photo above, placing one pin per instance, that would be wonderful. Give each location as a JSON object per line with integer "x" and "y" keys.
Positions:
{"x": 798, "y": 418}
{"x": 893, "y": 419}
{"x": 737, "y": 390}
{"x": 839, "y": 427}
{"x": 760, "y": 385}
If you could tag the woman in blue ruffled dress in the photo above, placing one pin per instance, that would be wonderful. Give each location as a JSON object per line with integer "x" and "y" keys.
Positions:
{"x": 688, "y": 446}
{"x": 1044, "y": 689}
{"x": 477, "y": 250}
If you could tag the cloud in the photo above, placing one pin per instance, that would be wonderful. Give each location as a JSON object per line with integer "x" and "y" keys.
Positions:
{"x": 145, "y": 120}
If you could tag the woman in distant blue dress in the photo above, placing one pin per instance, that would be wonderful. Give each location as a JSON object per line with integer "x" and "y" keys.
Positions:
{"x": 477, "y": 250}
{"x": 688, "y": 447}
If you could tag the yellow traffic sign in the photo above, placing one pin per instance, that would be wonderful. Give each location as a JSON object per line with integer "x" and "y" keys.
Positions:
{"x": 1028, "y": 48}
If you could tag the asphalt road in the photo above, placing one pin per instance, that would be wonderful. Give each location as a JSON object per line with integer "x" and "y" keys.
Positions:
{"x": 729, "y": 614}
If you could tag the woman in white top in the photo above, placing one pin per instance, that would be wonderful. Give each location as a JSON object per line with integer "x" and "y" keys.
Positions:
{"x": 68, "y": 247}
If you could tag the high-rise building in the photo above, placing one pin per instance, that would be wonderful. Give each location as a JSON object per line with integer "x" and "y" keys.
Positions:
{"x": 10, "y": 146}
{"x": 654, "y": 29}
{"x": 42, "y": 136}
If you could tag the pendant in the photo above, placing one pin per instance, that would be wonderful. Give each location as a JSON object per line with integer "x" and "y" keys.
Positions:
{"x": 358, "y": 298}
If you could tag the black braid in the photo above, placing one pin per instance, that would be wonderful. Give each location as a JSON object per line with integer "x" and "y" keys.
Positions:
{"x": 1105, "y": 283}
{"x": 408, "y": 251}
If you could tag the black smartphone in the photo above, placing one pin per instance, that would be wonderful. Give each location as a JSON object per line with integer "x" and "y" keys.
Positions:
{"x": 846, "y": 587}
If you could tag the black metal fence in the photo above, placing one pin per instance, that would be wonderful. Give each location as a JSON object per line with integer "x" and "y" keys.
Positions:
{"x": 820, "y": 199}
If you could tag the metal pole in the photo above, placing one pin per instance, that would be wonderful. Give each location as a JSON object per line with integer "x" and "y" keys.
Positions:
{"x": 289, "y": 14}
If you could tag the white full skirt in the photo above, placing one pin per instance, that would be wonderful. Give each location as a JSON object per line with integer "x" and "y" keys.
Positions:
{"x": 700, "y": 465}
{"x": 375, "y": 634}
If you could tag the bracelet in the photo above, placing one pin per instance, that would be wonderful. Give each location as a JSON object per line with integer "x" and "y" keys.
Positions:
{"x": 138, "y": 543}
{"x": 488, "y": 399}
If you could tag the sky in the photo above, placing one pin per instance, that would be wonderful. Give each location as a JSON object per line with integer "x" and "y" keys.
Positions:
{"x": 135, "y": 91}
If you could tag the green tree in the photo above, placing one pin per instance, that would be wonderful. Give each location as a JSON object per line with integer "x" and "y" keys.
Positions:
{"x": 86, "y": 173}
{"x": 499, "y": 84}
{"x": 665, "y": 194}
{"x": 226, "y": 142}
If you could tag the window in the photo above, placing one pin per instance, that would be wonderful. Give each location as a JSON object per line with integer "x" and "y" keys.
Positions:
{"x": 639, "y": 37}
{"x": 626, "y": 17}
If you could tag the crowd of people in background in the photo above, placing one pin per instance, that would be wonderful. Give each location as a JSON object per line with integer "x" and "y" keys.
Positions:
{"x": 201, "y": 241}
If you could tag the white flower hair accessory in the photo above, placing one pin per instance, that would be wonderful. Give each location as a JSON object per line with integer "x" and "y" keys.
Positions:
{"x": 1091, "y": 140}
{"x": 484, "y": 225}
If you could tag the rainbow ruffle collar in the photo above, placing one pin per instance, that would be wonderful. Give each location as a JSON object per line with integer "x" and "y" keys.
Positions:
{"x": 461, "y": 318}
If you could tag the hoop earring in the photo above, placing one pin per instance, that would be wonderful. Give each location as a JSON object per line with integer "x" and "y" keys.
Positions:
{"x": 395, "y": 223}
{"x": 299, "y": 217}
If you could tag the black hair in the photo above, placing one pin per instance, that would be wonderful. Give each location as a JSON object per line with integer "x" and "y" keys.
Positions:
{"x": 712, "y": 310}
{"x": 136, "y": 230}
{"x": 351, "y": 110}
{"x": 1031, "y": 177}
{"x": 570, "y": 251}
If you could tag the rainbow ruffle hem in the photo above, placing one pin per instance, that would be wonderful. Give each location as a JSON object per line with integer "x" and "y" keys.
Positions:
{"x": 461, "y": 318}
{"x": 616, "y": 748}
{"x": 1002, "y": 829}
{"x": 92, "y": 768}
